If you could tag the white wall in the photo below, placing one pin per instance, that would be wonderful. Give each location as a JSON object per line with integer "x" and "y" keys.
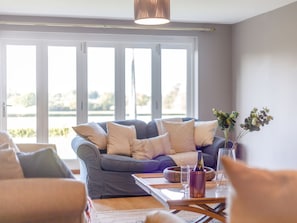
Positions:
{"x": 264, "y": 62}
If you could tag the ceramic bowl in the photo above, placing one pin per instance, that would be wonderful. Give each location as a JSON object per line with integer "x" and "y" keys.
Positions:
{"x": 172, "y": 174}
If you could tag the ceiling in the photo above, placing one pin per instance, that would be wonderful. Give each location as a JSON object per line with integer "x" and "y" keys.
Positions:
{"x": 193, "y": 11}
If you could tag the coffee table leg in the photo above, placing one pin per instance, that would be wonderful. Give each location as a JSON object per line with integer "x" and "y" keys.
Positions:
{"x": 216, "y": 212}
{"x": 219, "y": 209}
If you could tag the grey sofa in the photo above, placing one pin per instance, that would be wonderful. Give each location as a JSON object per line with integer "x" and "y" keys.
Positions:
{"x": 110, "y": 175}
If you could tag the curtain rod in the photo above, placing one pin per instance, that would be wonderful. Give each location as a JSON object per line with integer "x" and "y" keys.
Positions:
{"x": 104, "y": 26}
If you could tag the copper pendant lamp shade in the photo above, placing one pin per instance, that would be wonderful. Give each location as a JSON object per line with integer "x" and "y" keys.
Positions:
{"x": 152, "y": 12}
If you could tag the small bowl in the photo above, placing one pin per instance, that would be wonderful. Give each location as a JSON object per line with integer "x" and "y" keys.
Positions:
{"x": 172, "y": 174}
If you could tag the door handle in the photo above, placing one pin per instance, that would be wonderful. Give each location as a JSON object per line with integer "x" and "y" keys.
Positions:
{"x": 4, "y": 111}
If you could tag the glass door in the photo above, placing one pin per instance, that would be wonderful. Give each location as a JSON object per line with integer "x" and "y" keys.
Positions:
{"x": 62, "y": 98}
{"x": 19, "y": 112}
{"x": 174, "y": 63}
{"x": 101, "y": 83}
{"x": 138, "y": 83}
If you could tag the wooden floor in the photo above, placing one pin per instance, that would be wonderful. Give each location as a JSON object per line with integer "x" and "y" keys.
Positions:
{"x": 128, "y": 203}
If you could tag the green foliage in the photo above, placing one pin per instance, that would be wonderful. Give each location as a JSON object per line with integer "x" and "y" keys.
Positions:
{"x": 142, "y": 99}
{"x": 226, "y": 122}
{"x": 106, "y": 101}
{"x": 93, "y": 95}
{"x": 256, "y": 119}
{"x": 253, "y": 122}
{"x": 29, "y": 132}
{"x": 24, "y": 133}
{"x": 58, "y": 132}
{"x": 171, "y": 97}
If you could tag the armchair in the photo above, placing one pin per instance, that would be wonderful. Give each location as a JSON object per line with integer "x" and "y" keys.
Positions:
{"x": 47, "y": 200}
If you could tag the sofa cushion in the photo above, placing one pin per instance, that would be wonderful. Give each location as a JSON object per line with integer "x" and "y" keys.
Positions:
{"x": 204, "y": 132}
{"x": 120, "y": 163}
{"x": 160, "y": 124}
{"x": 5, "y": 138}
{"x": 10, "y": 167}
{"x": 260, "y": 195}
{"x": 93, "y": 132}
{"x": 120, "y": 138}
{"x": 181, "y": 135}
{"x": 140, "y": 126}
{"x": 190, "y": 158}
{"x": 144, "y": 149}
{"x": 43, "y": 163}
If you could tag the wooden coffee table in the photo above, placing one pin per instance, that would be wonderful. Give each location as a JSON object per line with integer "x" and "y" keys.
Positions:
{"x": 211, "y": 206}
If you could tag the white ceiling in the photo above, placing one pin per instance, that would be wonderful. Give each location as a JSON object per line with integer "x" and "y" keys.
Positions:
{"x": 198, "y": 11}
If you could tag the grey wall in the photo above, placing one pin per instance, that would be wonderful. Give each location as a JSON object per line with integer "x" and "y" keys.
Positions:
{"x": 215, "y": 85}
{"x": 264, "y": 62}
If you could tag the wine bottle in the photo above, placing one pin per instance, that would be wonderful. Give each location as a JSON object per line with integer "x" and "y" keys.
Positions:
{"x": 197, "y": 178}
{"x": 200, "y": 162}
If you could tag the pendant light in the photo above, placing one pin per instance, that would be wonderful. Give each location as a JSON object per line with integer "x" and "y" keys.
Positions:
{"x": 152, "y": 12}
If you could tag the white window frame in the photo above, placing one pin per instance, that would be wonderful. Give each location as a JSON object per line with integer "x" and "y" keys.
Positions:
{"x": 120, "y": 42}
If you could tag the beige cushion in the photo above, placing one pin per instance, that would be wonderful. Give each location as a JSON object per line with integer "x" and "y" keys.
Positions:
{"x": 160, "y": 126}
{"x": 120, "y": 138}
{"x": 10, "y": 167}
{"x": 163, "y": 217}
{"x": 93, "y": 132}
{"x": 181, "y": 135}
{"x": 145, "y": 149}
{"x": 259, "y": 195}
{"x": 186, "y": 158}
{"x": 5, "y": 138}
{"x": 204, "y": 132}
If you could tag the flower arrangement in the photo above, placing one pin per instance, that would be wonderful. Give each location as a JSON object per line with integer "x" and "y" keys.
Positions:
{"x": 254, "y": 122}
{"x": 226, "y": 122}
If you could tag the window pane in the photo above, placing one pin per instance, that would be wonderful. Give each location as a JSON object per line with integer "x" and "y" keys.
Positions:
{"x": 138, "y": 83}
{"x": 62, "y": 98}
{"x": 101, "y": 72}
{"x": 21, "y": 92}
{"x": 174, "y": 82}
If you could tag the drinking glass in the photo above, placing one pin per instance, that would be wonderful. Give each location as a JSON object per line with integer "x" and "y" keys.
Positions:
{"x": 184, "y": 177}
{"x": 221, "y": 177}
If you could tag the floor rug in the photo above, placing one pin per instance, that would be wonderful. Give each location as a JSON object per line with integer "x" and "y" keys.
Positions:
{"x": 136, "y": 216}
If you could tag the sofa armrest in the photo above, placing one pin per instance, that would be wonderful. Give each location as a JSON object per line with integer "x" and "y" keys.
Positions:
{"x": 31, "y": 147}
{"x": 89, "y": 156}
{"x": 40, "y": 199}
{"x": 79, "y": 143}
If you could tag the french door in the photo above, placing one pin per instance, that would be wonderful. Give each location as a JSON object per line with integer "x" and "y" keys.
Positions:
{"x": 49, "y": 86}
{"x": 38, "y": 94}
{"x": 19, "y": 91}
